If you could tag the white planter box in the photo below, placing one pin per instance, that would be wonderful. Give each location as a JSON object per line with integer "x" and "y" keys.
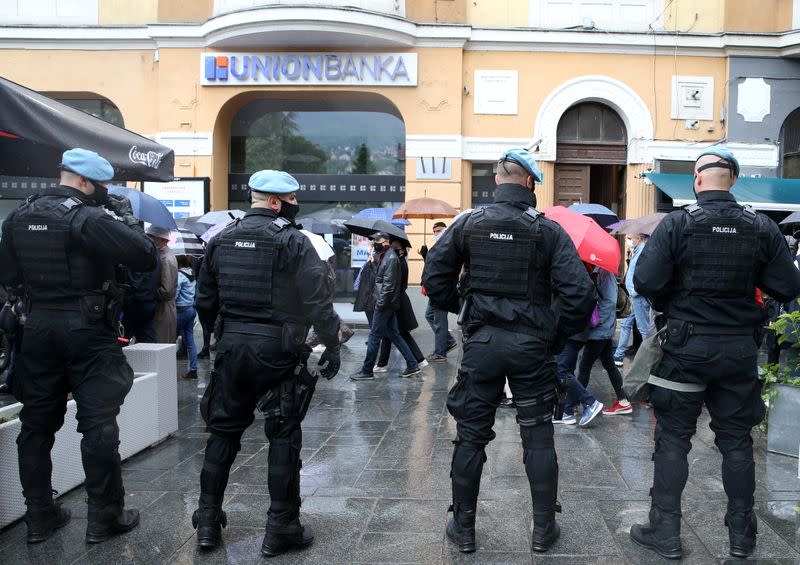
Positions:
{"x": 139, "y": 429}
{"x": 159, "y": 358}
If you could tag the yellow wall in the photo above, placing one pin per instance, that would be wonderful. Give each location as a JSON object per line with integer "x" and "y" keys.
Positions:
{"x": 497, "y": 13}
{"x": 697, "y": 16}
{"x": 541, "y": 73}
{"x": 441, "y": 11}
{"x": 127, "y": 12}
{"x": 182, "y": 11}
{"x": 758, "y": 15}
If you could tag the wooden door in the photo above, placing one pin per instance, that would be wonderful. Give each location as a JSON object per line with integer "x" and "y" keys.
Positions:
{"x": 571, "y": 184}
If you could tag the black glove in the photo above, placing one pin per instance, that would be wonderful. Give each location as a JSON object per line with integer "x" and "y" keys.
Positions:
{"x": 332, "y": 360}
{"x": 120, "y": 205}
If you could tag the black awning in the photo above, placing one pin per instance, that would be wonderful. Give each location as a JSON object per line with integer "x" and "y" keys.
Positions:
{"x": 35, "y": 130}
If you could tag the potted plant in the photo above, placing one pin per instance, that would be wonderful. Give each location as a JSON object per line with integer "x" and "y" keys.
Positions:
{"x": 781, "y": 389}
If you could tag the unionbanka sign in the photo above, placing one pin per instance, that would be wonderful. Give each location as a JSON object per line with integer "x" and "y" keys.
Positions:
{"x": 366, "y": 69}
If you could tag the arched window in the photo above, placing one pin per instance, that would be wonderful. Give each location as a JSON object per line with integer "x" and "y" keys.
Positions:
{"x": 790, "y": 146}
{"x": 93, "y": 104}
{"x": 591, "y": 122}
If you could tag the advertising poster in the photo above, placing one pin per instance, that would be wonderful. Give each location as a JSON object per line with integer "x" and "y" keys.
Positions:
{"x": 184, "y": 198}
{"x": 360, "y": 249}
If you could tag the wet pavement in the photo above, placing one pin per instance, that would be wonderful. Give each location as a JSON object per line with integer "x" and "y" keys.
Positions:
{"x": 375, "y": 485}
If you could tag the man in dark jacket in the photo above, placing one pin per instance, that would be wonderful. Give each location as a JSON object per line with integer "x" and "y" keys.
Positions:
{"x": 527, "y": 292}
{"x": 267, "y": 282}
{"x": 63, "y": 248}
{"x": 701, "y": 268}
{"x": 140, "y": 306}
{"x": 387, "y": 295}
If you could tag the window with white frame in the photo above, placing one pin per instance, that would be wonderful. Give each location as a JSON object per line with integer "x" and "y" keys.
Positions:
{"x": 610, "y": 15}
{"x": 49, "y": 12}
{"x": 396, "y": 7}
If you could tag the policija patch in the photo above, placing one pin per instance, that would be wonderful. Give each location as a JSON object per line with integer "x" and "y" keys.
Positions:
{"x": 501, "y": 236}
{"x": 245, "y": 244}
{"x": 723, "y": 229}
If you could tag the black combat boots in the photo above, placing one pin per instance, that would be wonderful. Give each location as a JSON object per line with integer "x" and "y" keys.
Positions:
{"x": 109, "y": 520}
{"x": 43, "y": 521}
{"x": 544, "y": 536}
{"x": 742, "y": 530}
{"x": 209, "y": 524}
{"x": 461, "y": 528}
{"x": 662, "y": 534}
{"x": 282, "y": 539}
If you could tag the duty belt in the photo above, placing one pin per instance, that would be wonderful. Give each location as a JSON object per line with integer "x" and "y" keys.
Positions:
{"x": 704, "y": 329}
{"x": 253, "y": 328}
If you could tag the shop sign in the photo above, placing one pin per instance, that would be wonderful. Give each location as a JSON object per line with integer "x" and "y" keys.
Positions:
{"x": 360, "y": 250}
{"x": 364, "y": 69}
{"x": 183, "y": 197}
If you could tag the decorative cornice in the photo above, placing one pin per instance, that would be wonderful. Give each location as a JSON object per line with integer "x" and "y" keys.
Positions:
{"x": 339, "y": 27}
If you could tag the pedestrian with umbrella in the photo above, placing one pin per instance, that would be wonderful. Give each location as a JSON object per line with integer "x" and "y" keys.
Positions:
{"x": 388, "y": 290}
{"x": 146, "y": 208}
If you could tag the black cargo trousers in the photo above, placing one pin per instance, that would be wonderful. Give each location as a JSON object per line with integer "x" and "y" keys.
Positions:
{"x": 490, "y": 356}
{"x": 727, "y": 366}
{"x": 63, "y": 352}
{"x": 247, "y": 366}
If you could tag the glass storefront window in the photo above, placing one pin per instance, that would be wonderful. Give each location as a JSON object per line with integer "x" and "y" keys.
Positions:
{"x": 317, "y": 137}
{"x": 101, "y": 108}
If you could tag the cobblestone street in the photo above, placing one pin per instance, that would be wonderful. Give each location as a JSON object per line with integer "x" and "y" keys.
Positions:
{"x": 376, "y": 487}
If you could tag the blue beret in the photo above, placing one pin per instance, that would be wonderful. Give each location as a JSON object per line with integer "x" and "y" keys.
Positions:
{"x": 524, "y": 160}
{"x": 722, "y": 153}
{"x": 87, "y": 164}
{"x": 274, "y": 182}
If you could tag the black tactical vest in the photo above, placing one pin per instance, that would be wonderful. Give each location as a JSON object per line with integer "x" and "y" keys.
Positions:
{"x": 53, "y": 267}
{"x": 722, "y": 253}
{"x": 505, "y": 257}
{"x": 249, "y": 274}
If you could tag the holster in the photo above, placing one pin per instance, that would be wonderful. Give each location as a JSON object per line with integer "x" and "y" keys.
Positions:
{"x": 114, "y": 298}
{"x": 562, "y": 386}
{"x": 292, "y": 398}
{"x": 93, "y": 308}
{"x": 678, "y": 331}
{"x": 293, "y": 337}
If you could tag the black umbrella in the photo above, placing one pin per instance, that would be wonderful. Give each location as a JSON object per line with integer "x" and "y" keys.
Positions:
{"x": 370, "y": 226}
{"x": 320, "y": 226}
{"x": 35, "y": 130}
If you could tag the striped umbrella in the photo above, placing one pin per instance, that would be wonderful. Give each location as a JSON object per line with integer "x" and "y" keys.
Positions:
{"x": 184, "y": 242}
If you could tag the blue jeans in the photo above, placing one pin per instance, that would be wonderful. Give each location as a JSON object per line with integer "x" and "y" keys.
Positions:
{"x": 437, "y": 320}
{"x": 384, "y": 324}
{"x": 625, "y": 330}
{"x": 186, "y": 331}
{"x": 641, "y": 309}
{"x": 566, "y": 361}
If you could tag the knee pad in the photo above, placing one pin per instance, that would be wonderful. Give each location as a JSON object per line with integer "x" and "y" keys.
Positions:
{"x": 102, "y": 437}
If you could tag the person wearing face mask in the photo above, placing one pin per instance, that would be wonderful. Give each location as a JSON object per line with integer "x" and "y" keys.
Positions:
{"x": 702, "y": 268}
{"x": 267, "y": 282}
{"x": 387, "y": 296}
{"x": 63, "y": 248}
{"x": 443, "y": 341}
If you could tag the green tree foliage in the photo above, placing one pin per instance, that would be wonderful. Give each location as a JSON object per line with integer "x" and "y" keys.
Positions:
{"x": 362, "y": 164}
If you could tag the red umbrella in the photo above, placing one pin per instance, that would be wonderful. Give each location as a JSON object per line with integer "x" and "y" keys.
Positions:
{"x": 593, "y": 243}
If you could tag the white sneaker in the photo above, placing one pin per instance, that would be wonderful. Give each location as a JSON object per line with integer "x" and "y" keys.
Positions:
{"x": 380, "y": 369}
{"x": 567, "y": 419}
{"x": 422, "y": 364}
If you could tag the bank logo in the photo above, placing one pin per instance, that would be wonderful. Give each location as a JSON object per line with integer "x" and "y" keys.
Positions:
{"x": 389, "y": 69}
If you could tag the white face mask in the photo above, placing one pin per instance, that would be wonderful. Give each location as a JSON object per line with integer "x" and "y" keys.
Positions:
{"x": 436, "y": 236}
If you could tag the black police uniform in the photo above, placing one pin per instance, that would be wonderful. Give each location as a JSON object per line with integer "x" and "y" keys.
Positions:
{"x": 529, "y": 291}
{"x": 63, "y": 249}
{"x": 268, "y": 283}
{"x": 701, "y": 267}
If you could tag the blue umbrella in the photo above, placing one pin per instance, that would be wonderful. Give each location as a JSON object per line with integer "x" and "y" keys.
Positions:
{"x": 146, "y": 208}
{"x": 381, "y": 214}
{"x": 597, "y": 212}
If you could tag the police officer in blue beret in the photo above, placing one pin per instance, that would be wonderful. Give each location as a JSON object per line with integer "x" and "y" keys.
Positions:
{"x": 63, "y": 248}
{"x": 526, "y": 290}
{"x": 268, "y": 284}
{"x": 702, "y": 267}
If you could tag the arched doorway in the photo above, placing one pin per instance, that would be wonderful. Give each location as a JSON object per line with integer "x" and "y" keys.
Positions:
{"x": 591, "y": 154}
{"x": 790, "y": 146}
{"x": 347, "y": 153}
